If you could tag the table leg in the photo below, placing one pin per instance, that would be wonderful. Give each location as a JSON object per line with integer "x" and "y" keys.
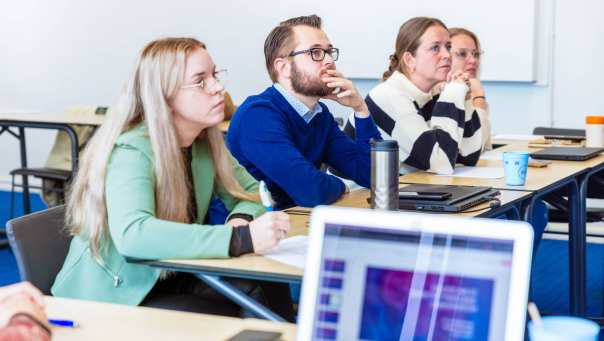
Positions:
{"x": 25, "y": 182}
{"x": 510, "y": 212}
{"x": 239, "y": 297}
{"x": 581, "y": 239}
{"x": 576, "y": 242}
{"x": 577, "y": 253}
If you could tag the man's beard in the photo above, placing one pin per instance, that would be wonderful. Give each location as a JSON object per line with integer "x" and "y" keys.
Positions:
{"x": 307, "y": 86}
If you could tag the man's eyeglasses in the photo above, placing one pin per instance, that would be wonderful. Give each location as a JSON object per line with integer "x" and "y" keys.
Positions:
{"x": 318, "y": 54}
{"x": 219, "y": 76}
{"x": 466, "y": 53}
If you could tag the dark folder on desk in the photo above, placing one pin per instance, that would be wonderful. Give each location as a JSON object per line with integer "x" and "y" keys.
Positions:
{"x": 567, "y": 153}
{"x": 462, "y": 197}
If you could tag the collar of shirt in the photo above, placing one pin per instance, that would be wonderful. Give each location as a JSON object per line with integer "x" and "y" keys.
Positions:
{"x": 301, "y": 108}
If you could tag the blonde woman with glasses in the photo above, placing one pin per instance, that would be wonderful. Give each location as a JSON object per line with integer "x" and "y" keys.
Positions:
{"x": 144, "y": 186}
{"x": 466, "y": 54}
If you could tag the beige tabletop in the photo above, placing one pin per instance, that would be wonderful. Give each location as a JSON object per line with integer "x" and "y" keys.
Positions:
{"x": 300, "y": 216}
{"x": 103, "y": 321}
{"x": 253, "y": 263}
{"x": 358, "y": 199}
{"x": 536, "y": 179}
{"x": 523, "y": 146}
{"x": 92, "y": 120}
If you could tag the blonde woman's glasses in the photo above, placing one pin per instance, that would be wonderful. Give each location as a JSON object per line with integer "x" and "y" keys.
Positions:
{"x": 219, "y": 76}
{"x": 466, "y": 53}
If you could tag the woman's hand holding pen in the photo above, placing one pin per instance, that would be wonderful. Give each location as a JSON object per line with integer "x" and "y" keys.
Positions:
{"x": 268, "y": 229}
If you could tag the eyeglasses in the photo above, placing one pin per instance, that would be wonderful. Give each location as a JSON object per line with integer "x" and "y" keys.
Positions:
{"x": 466, "y": 53}
{"x": 318, "y": 54}
{"x": 219, "y": 76}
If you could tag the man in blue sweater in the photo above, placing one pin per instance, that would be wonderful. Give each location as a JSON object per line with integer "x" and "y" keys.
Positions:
{"x": 284, "y": 134}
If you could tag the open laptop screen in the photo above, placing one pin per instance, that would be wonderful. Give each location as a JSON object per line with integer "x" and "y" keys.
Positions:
{"x": 405, "y": 285}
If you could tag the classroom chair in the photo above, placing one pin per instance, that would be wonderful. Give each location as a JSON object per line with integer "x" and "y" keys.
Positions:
{"x": 40, "y": 245}
{"x": 58, "y": 170}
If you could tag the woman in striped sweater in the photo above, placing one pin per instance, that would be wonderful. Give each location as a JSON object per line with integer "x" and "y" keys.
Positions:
{"x": 434, "y": 132}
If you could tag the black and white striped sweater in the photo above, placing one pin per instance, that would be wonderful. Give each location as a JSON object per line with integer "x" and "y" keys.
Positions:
{"x": 433, "y": 132}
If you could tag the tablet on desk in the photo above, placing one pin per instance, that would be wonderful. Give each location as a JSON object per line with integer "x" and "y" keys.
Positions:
{"x": 424, "y": 195}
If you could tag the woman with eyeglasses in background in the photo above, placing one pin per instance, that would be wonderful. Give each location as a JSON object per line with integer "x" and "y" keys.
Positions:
{"x": 144, "y": 186}
{"x": 434, "y": 133}
{"x": 466, "y": 54}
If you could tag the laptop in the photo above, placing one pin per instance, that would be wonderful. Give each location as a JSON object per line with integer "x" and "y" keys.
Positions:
{"x": 461, "y": 197}
{"x": 567, "y": 153}
{"x": 383, "y": 275}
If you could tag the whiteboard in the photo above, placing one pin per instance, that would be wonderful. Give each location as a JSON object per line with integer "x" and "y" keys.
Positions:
{"x": 506, "y": 30}
{"x": 65, "y": 52}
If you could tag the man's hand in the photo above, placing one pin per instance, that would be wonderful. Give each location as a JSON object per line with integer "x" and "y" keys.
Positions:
{"x": 345, "y": 93}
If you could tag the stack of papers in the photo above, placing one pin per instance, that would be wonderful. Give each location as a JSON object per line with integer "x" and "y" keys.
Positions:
{"x": 516, "y": 137}
{"x": 492, "y": 155}
{"x": 477, "y": 172}
{"x": 291, "y": 251}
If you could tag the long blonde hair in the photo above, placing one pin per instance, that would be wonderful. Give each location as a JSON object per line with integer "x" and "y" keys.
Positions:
{"x": 158, "y": 74}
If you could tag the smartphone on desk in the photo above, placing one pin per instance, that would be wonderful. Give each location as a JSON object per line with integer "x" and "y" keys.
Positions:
{"x": 538, "y": 163}
{"x": 436, "y": 196}
{"x": 256, "y": 335}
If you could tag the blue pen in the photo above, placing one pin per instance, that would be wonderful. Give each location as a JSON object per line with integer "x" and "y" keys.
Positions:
{"x": 63, "y": 323}
{"x": 265, "y": 196}
{"x": 267, "y": 201}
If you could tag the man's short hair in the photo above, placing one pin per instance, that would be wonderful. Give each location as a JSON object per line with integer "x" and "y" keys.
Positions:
{"x": 280, "y": 41}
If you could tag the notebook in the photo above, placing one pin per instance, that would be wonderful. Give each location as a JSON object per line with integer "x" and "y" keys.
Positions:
{"x": 384, "y": 275}
{"x": 461, "y": 199}
{"x": 567, "y": 153}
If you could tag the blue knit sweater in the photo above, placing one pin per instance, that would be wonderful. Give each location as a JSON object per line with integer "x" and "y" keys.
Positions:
{"x": 272, "y": 141}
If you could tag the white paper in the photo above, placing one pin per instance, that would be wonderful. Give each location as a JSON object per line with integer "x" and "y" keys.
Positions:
{"x": 492, "y": 155}
{"x": 351, "y": 185}
{"x": 477, "y": 172}
{"x": 291, "y": 251}
{"x": 516, "y": 137}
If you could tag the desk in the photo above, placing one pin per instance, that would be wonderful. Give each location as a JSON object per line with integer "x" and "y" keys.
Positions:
{"x": 261, "y": 268}
{"x": 536, "y": 178}
{"x": 543, "y": 182}
{"x": 45, "y": 121}
{"x": 104, "y": 321}
{"x": 577, "y": 237}
{"x": 60, "y": 122}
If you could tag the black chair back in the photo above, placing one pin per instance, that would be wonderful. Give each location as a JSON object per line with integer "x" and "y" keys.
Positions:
{"x": 40, "y": 245}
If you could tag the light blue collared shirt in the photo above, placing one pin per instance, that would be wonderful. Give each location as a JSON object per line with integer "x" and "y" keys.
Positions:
{"x": 301, "y": 108}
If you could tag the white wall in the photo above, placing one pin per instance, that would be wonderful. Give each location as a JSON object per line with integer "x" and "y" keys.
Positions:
{"x": 37, "y": 75}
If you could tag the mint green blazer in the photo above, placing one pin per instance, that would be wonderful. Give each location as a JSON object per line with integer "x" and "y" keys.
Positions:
{"x": 135, "y": 231}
